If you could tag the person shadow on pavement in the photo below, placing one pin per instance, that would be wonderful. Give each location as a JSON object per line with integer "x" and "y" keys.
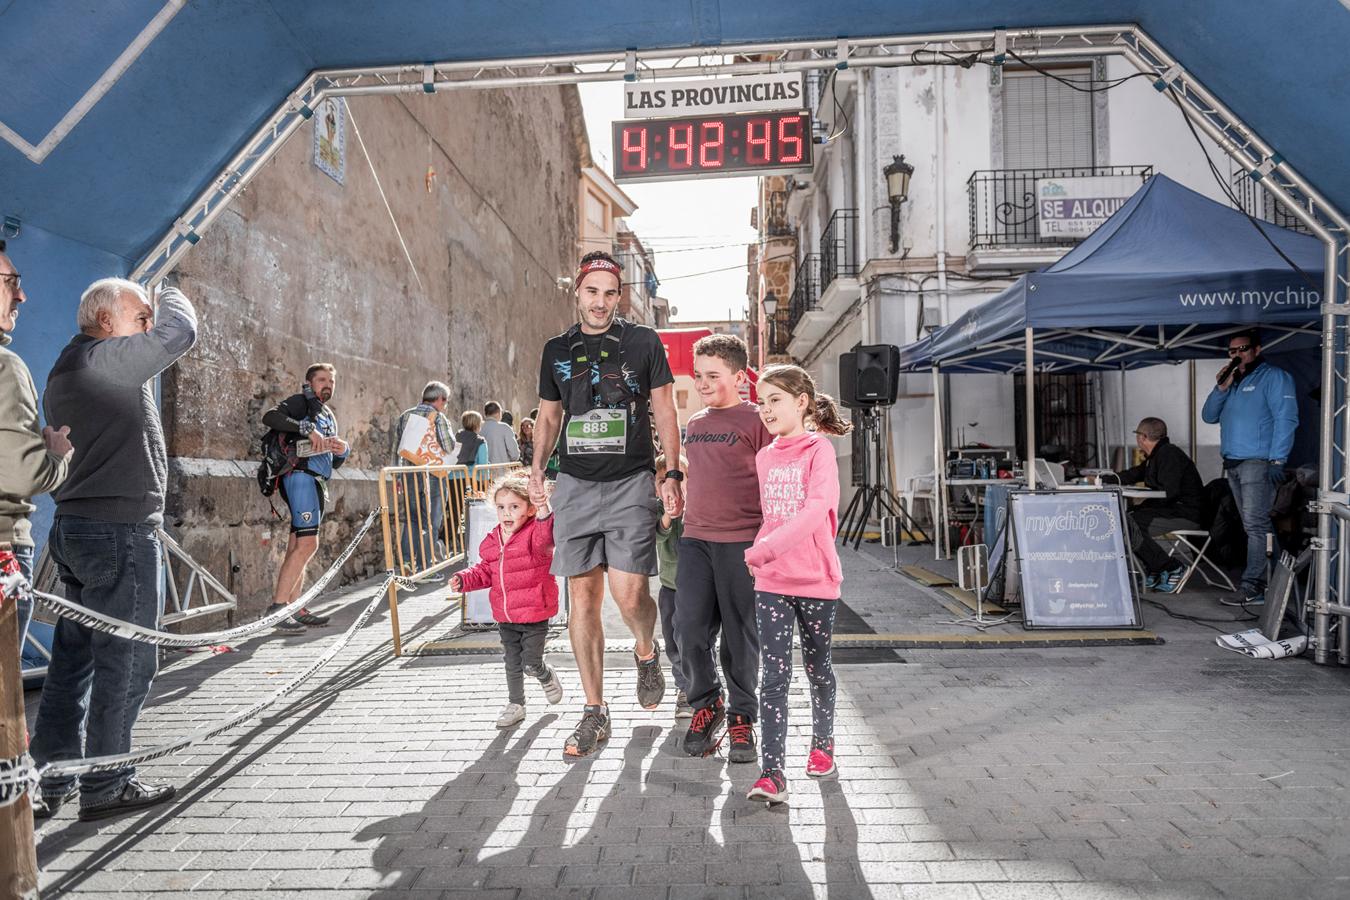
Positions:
{"x": 637, "y": 824}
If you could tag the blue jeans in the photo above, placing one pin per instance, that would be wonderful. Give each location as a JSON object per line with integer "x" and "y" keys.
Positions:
{"x": 1253, "y": 493}
{"x": 423, "y": 519}
{"x": 24, "y": 556}
{"x": 96, "y": 682}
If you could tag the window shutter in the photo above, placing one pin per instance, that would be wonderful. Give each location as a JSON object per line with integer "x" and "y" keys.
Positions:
{"x": 1046, "y": 124}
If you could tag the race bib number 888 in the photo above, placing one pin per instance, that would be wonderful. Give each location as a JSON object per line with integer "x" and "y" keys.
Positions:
{"x": 598, "y": 431}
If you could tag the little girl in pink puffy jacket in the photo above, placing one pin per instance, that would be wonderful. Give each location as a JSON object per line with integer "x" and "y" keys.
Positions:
{"x": 513, "y": 565}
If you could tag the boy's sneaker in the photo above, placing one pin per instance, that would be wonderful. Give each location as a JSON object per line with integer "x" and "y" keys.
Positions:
{"x": 682, "y": 708}
{"x": 590, "y": 733}
{"x": 699, "y": 740}
{"x": 553, "y": 691}
{"x": 305, "y": 617}
{"x": 651, "y": 681}
{"x": 771, "y": 787}
{"x": 288, "y": 624}
{"x": 742, "y": 733}
{"x": 512, "y": 714}
{"x": 1169, "y": 582}
{"x": 821, "y": 762}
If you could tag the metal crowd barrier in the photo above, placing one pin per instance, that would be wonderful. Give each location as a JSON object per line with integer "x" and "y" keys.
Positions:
{"x": 424, "y": 521}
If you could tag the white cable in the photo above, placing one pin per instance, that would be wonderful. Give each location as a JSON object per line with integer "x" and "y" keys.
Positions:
{"x": 380, "y": 188}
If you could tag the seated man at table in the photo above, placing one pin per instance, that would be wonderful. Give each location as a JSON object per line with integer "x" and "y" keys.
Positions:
{"x": 1166, "y": 467}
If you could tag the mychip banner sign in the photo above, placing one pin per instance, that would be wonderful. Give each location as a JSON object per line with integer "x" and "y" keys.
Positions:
{"x": 1075, "y": 207}
{"x": 1070, "y": 551}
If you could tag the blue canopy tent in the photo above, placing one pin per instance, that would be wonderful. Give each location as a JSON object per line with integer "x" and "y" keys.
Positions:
{"x": 1166, "y": 279}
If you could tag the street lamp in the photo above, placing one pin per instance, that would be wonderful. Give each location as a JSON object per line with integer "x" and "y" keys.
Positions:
{"x": 770, "y": 305}
{"x": 897, "y": 174}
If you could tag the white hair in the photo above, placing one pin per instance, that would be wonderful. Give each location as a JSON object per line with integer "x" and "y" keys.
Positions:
{"x": 435, "y": 390}
{"x": 102, "y": 296}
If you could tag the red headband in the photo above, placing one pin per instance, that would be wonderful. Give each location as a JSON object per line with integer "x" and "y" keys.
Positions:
{"x": 597, "y": 265}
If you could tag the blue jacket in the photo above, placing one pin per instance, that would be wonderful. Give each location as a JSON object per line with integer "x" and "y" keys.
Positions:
{"x": 1257, "y": 416}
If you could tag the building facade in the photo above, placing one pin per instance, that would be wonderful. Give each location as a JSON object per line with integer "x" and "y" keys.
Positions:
{"x": 864, "y": 270}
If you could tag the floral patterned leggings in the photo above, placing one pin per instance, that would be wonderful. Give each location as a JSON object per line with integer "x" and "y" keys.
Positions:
{"x": 774, "y": 616}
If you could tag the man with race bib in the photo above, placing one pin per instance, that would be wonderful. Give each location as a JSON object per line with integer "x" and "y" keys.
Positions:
{"x": 601, "y": 385}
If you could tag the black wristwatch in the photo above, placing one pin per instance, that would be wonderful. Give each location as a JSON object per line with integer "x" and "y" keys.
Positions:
{"x": 674, "y": 473}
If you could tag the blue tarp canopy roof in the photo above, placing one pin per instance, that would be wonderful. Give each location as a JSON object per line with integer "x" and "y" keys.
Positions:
{"x": 1164, "y": 279}
{"x": 121, "y": 176}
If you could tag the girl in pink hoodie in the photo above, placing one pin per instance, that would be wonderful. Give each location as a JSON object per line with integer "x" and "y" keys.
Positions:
{"x": 513, "y": 565}
{"x": 795, "y": 566}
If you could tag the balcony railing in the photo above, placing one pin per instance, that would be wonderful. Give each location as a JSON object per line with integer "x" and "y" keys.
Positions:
{"x": 805, "y": 291}
{"x": 1259, "y": 203}
{"x": 1003, "y": 210}
{"x": 839, "y": 247}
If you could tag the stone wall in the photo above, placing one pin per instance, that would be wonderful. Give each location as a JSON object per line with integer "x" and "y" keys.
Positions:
{"x": 302, "y": 269}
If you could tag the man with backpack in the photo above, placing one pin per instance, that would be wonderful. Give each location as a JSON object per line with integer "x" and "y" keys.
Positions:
{"x": 304, "y": 429}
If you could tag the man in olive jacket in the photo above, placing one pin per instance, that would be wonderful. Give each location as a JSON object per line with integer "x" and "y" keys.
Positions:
{"x": 1166, "y": 467}
{"x": 33, "y": 460}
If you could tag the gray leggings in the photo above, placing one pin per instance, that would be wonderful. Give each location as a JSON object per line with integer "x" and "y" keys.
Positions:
{"x": 524, "y": 646}
{"x": 774, "y": 617}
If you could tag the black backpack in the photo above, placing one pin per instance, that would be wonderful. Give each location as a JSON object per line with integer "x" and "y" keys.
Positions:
{"x": 279, "y": 459}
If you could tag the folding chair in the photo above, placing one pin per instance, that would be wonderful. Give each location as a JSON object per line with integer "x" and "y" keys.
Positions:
{"x": 1189, "y": 547}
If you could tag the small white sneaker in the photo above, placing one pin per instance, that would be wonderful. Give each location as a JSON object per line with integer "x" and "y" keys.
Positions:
{"x": 553, "y": 690}
{"x": 512, "y": 714}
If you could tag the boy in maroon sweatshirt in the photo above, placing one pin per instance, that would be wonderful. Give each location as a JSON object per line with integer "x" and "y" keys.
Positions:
{"x": 714, "y": 591}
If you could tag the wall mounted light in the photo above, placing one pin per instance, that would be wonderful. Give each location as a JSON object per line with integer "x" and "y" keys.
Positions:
{"x": 897, "y": 174}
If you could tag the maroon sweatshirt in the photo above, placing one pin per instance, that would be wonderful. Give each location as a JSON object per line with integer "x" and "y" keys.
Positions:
{"x": 722, "y": 495}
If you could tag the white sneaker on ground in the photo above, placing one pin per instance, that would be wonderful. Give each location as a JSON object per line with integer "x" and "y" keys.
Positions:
{"x": 553, "y": 691}
{"x": 512, "y": 714}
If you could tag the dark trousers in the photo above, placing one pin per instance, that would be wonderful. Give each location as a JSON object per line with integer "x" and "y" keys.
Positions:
{"x": 96, "y": 682}
{"x": 1145, "y": 525}
{"x": 775, "y": 615}
{"x": 524, "y": 646}
{"x": 665, "y": 604}
{"x": 23, "y": 555}
{"x": 714, "y": 592}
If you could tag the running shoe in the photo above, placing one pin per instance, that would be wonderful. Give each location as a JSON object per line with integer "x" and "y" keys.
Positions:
{"x": 742, "y": 733}
{"x": 1245, "y": 599}
{"x": 288, "y": 625}
{"x": 553, "y": 691}
{"x": 682, "y": 708}
{"x": 135, "y": 795}
{"x": 512, "y": 714}
{"x": 591, "y": 732}
{"x": 1151, "y": 582}
{"x": 305, "y": 617}
{"x": 1169, "y": 582}
{"x": 821, "y": 762}
{"x": 651, "y": 681}
{"x": 700, "y": 739}
{"x": 771, "y": 787}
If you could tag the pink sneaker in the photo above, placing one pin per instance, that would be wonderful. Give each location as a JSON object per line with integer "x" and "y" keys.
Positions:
{"x": 771, "y": 787}
{"x": 821, "y": 763}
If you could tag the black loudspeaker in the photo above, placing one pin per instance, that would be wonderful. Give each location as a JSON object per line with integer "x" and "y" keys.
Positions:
{"x": 876, "y": 380}
{"x": 848, "y": 379}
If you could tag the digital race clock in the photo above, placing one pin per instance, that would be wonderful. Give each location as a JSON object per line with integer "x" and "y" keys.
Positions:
{"x": 722, "y": 144}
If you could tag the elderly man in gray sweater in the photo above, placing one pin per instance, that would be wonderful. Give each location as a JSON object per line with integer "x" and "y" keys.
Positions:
{"x": 103, "y": 538}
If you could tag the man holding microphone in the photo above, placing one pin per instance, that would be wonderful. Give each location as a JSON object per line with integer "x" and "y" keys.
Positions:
{"x": 1257, "y": 413}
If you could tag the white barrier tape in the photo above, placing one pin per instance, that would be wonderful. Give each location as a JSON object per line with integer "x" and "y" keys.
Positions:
{"x": 17, "y": 777}
{"x": 83, "y": 615}
{"x": 22, "y": 777}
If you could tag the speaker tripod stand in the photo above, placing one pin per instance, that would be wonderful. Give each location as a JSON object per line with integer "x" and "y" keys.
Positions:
{"x": 874, "y": 493}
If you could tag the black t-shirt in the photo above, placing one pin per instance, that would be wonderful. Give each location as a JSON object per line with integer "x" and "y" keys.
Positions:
{"x": 590, "y": 450}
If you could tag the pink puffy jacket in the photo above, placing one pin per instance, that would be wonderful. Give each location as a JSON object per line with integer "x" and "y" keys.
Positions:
{"x": 516, "y": 572}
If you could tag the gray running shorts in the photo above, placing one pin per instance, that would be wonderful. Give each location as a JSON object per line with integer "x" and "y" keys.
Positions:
{"x": 605, "y": 523}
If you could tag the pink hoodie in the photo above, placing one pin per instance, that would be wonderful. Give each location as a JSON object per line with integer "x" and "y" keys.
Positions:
{"x": 799, "y": 493}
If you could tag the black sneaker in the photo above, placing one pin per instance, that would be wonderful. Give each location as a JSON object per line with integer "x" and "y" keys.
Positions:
{"x": 132, "y": 797}
{"x": 591, "y": 732}
{"x": 651, "y": 681}
{"x": 700, "y": 739}
{"x": 305, "y": 617}
{"x": 288, "y": 625}
{"x": 46, "y": 805}
{"x": 742, "y": 733}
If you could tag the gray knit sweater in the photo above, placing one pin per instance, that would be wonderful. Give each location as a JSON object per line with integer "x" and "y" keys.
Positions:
{"x": 102, "y": 389}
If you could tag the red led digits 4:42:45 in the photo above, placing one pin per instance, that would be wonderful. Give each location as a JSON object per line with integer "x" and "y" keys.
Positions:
{"x": 730, "y": 144}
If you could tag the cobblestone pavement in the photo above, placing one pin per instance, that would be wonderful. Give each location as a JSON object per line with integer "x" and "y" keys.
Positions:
{"x": 1172, "y": 771}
